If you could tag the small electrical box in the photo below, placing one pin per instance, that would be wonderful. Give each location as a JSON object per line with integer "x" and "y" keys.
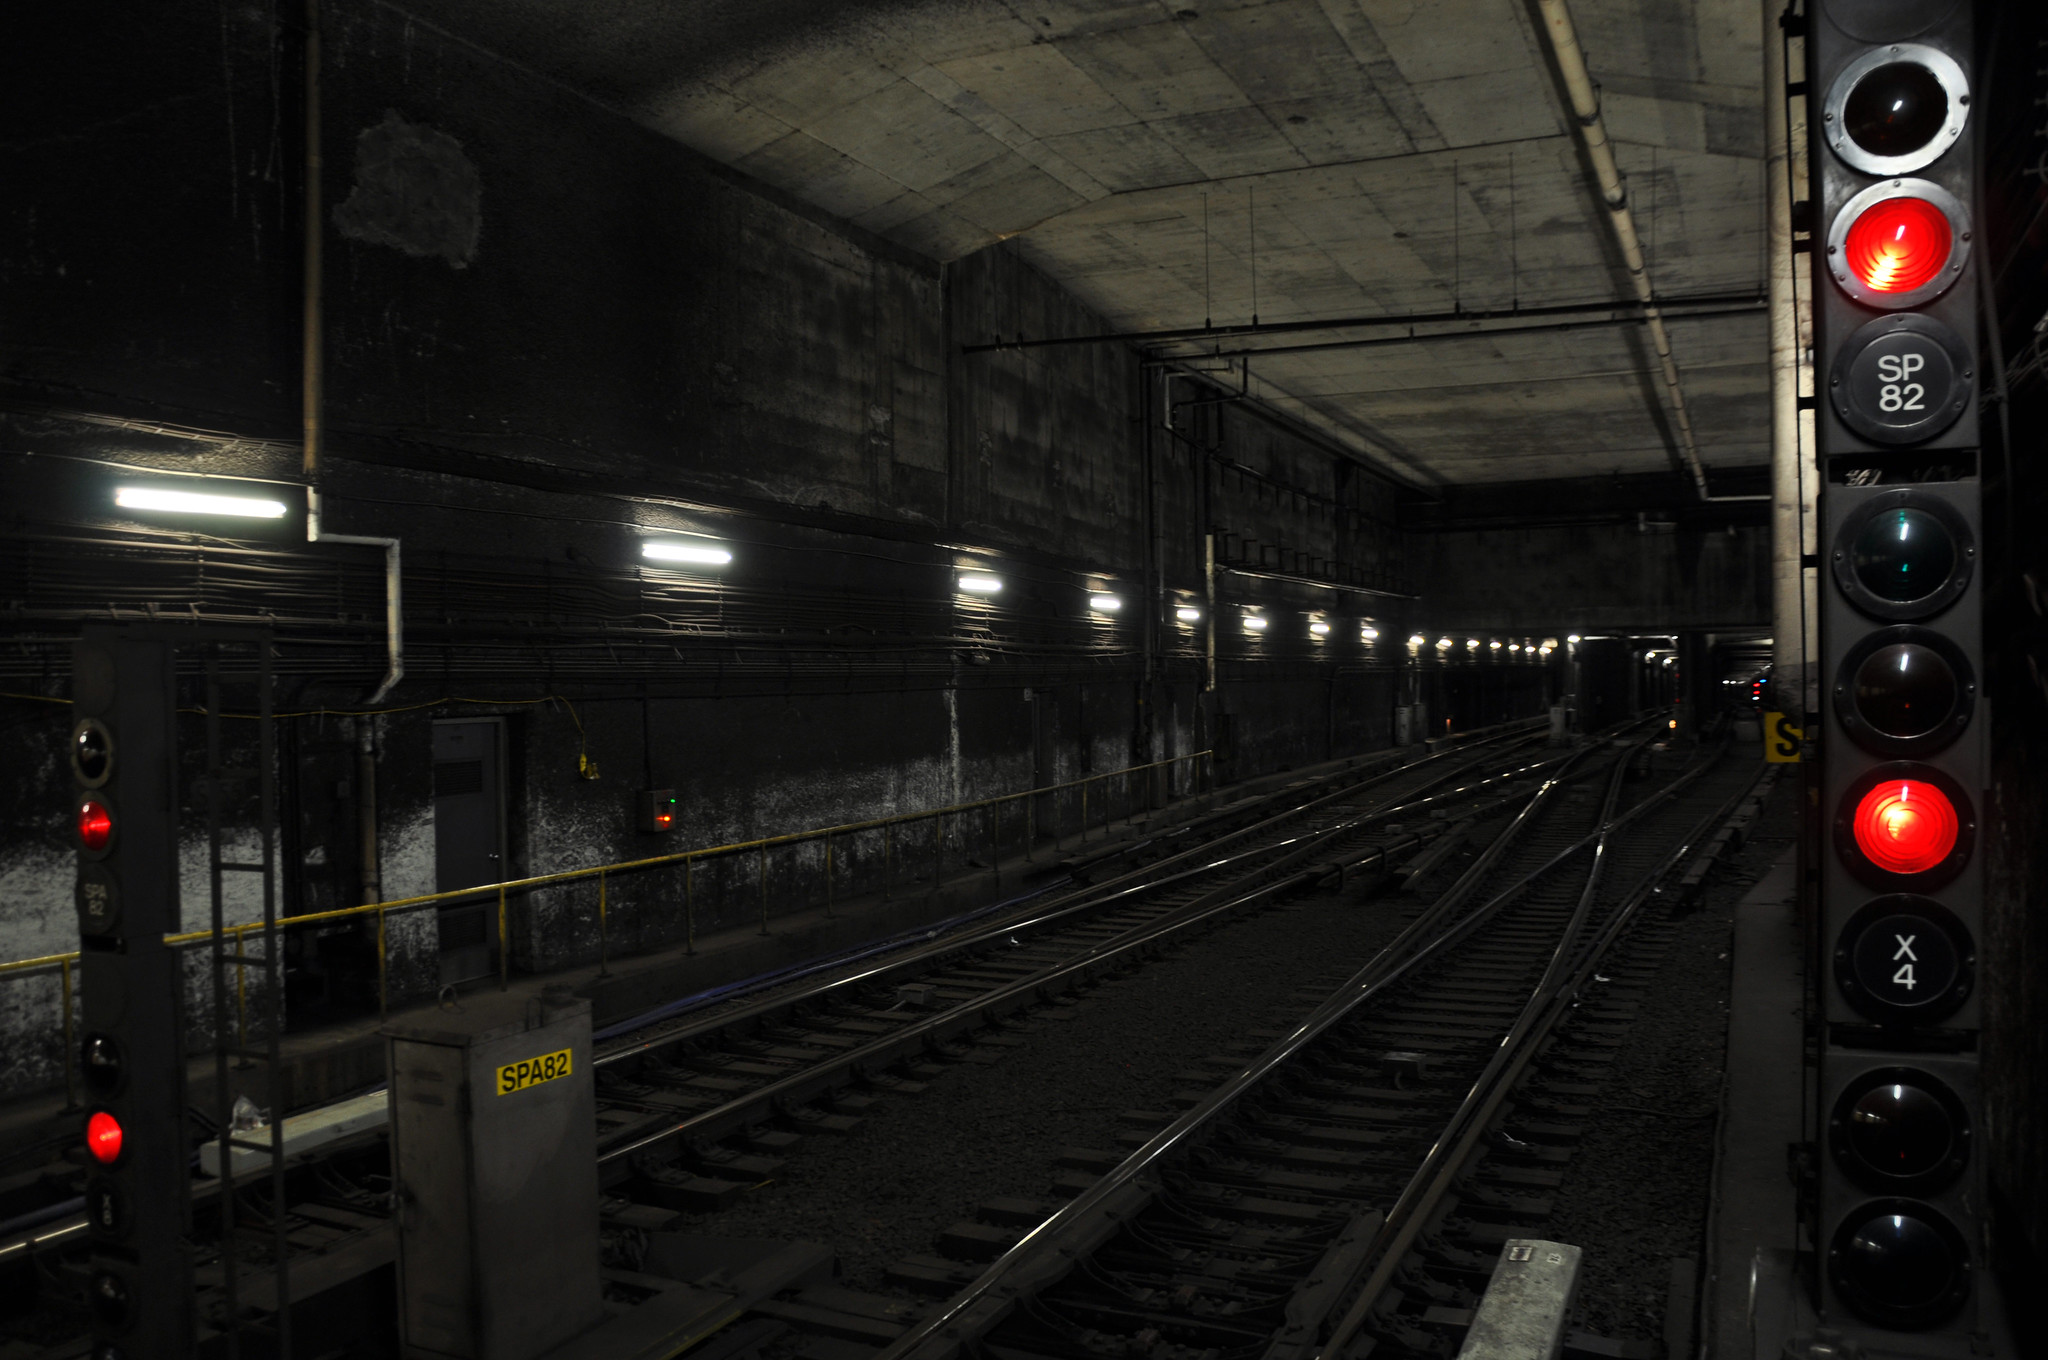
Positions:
{"x": 494, "y": 1179}
{"x": 657, "y": 809}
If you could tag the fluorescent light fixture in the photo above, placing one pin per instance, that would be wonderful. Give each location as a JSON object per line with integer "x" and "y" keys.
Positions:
{"x": 1105, "y": 604}
{"x": 1254, "y": 623}
{"x": 671, "y": 550}
{"x": 1416, "y": 640}
{"x": 981, "y": 585}
{"x": 1471, "y": 644}
{"x": 1514, "y": 646}
{"x": 1371, "y": 634}
{"x": 196, "y": 503}
{"x": 1443, "y": 644}
{"x": 1493, "y": 645}
{"x": 1319, "y": 628}
{"x": 1188, "y": 614}
{"x": 1573, "y": 638}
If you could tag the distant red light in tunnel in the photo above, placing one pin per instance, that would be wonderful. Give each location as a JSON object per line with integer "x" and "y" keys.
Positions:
{"x": 1905, "y": 826}
{"x": 1898, "y": 245}
{"x": 95, "y": 825}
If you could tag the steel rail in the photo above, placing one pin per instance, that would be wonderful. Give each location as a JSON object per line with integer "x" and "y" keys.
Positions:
{"x": 1127, "y": 886}
{"x": 798, "y": 1087}
{"x": 1551, "y": 1002}
{"x": 983, "y": 1302}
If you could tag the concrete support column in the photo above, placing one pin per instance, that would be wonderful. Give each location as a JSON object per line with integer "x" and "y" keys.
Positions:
{"x": 1794, "y": 484}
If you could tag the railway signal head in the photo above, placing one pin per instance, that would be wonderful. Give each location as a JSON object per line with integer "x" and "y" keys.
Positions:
{"x": 124, "y": 812}
{"x": 1903, "y": 755}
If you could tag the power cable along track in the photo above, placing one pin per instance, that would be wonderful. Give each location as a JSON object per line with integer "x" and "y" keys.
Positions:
{"x": 1245, "y": 1225}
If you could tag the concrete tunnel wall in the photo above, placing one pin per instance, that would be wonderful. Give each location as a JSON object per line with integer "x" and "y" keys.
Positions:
{"x": 549, "y": 332}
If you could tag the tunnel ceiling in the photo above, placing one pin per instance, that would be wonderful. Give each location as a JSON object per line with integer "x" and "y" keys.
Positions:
{"x": 1359, "y": 157}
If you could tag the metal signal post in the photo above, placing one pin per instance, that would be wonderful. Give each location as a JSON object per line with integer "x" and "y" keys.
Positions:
{"x": 1897, "y": 1223}
{"x": 138, "y": 1203}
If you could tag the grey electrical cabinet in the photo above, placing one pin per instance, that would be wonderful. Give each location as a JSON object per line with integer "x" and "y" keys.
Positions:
{"x": 494, "y": 1172}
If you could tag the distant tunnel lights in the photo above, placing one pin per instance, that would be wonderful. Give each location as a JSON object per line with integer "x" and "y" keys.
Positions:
{"x": 1188, "y": 614}
{"x": 1319, "y": 628}
{"x": 1254, "y": 623}
{"x": 978, "y": 584}
{"x": 704, "y": 554}
{"x": 1368, "y": 634}
{"x": 1105, "y": 604}
{"x": 196, "y": 503}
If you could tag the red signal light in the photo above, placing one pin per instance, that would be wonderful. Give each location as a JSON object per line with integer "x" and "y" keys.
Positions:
{"x": 1905, "y": 826}
{"x": 103, "y": 1137}
{"x": 1899, "y": 245}
{"x": 95, "y": 825}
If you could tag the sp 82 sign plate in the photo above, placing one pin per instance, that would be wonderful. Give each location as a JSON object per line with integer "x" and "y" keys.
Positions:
{"x": 532, "y": 1072}
{"x": 1902, "y": 379}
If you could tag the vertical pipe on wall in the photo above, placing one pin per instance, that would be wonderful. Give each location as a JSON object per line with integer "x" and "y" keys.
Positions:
{"x": 1209, "y": 621}
{"x": 1791, "y": 491}
{"x": 366, "y": 808}
{"x": 310, "y": 350}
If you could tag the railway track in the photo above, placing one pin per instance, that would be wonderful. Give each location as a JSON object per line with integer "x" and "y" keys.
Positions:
{"x": 1340, "y": 1185}
{"x": 1317, "y": 1191}
{"x": 670, "y": 1094}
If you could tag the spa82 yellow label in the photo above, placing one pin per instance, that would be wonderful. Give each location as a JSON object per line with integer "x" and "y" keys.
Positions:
{"x": 532, "y": 1072}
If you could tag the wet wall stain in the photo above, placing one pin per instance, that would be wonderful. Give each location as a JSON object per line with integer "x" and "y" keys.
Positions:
{"x": 416, "y": 190}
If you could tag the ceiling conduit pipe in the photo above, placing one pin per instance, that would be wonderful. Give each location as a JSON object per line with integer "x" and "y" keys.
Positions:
{"x": 312, "y": 377}
{"x": 1562, "y": 39}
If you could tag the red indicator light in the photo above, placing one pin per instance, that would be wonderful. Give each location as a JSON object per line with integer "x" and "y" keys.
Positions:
{"x": 1899, "y": 245}
{"x": 95, "y": 825}
{"x": 1905, "y": 826}
{"x": 664, "y": 819}
{"x": 103, "y": 1137}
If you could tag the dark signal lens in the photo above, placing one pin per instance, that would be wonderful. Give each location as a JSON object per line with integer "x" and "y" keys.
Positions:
{"x": 1901, "y": 1263}
{"x": 1904, "y": 555}
{"x": 92, "y": 752}
{"x": 103, "y": 1137}
{"x": 1896, "y": 109}
{"x": 1905, "y": 826}
{"x": 1900, "y": 1130}
{"x": 95, "y": 825}
{"x": 1899, "y": 245}
{"x": 1905, "y": 690}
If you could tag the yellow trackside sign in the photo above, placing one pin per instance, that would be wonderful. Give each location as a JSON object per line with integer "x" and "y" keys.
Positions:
{"x": 532, "y": 1072}
{"x": 1781, "y": 740}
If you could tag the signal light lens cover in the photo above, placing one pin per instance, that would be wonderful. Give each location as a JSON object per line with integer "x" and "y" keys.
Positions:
{"x": 1900, "y": 1263}
{"x": 103, "y": 1137}
{"x": 1905, "y": 826}
{"x": 95, "y": 826}
{"x": 1900, "y": 1129}
{"x": 1904, "y": 691}
{"x": 1903, "y": 554}
{"x": 1898, "y": 244}
{"x": 1896, "y": 108}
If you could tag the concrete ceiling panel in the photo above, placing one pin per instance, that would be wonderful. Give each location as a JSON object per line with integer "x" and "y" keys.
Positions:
{"x": 1156, "y": 71}
{"x": 1040, "y": 90}
{"x": 902, "y": 132}
{"x": 1096, "y": 129}
{"x": 1228, "y": 143}
{"x": 1126, "y": 159}
{"x": 830, "y": 178}
{"x": 1434, "y": 40}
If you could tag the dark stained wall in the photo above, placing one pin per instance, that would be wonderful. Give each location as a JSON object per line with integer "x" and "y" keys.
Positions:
{"x": 549, "y": 333}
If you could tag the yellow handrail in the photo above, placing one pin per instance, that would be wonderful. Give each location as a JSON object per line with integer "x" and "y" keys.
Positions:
{"x": 687, "y": 858}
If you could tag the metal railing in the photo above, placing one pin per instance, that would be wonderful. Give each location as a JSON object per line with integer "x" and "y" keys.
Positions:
{"x": 1112, "y": 788}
